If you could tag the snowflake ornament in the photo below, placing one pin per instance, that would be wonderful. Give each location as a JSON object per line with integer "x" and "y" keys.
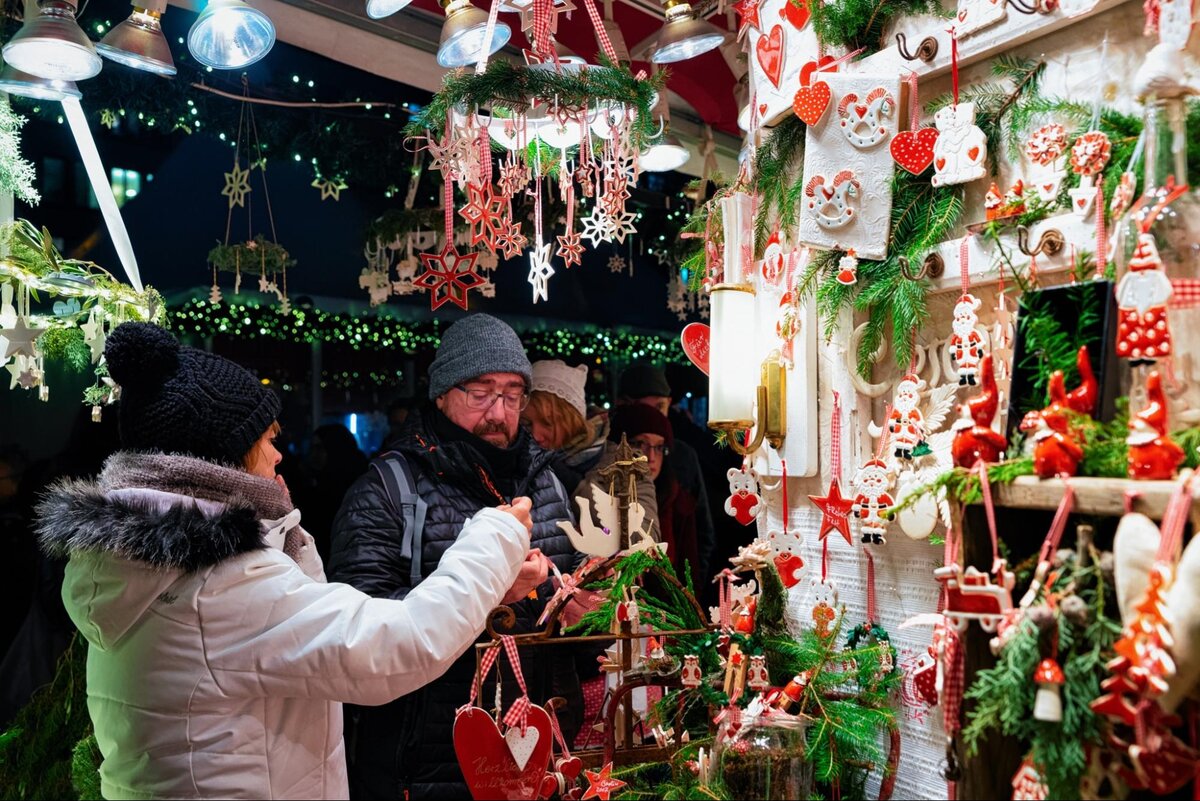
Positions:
{"x": 596, "y": 227}
{"x": 448, "y": 276}
{"x": 540, "y": 271}
{"x": 569, "y": 249}
{"x": 616, "y": 264}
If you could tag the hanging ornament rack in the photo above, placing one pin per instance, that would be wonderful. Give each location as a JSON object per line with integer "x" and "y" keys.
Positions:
{"x": 257, "y": 254}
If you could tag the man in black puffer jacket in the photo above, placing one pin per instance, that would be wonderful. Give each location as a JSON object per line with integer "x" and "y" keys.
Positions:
{"x": 463, "y": 452}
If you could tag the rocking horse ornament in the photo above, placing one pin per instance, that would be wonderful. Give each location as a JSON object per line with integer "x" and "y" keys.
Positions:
{"x": 862, "y": 122}
{"x": 832, "y": 202}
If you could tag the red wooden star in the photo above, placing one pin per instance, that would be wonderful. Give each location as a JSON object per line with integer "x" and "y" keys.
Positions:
{"x": 511, "y": 241}
{"x": 601, "y": 785}
{"x": 747, "y": 17}
{"x": 448, "y": 276}
{"x": 835, "y": 511}
{"x": 570, "y": 249}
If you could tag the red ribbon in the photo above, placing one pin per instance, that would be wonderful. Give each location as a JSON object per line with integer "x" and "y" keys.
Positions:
{"x": 954, "y": 61}
{"x": 1101, "y": 233}
{"x": 914, "y": 105}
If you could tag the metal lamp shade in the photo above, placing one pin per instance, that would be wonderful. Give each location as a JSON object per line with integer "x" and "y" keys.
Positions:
{"x": 463, "y": 33}
{"x": 683, "y": 37}
{"x": 138, "y": 42}
{"x": 52, "y": 45}
{"x": 229, "y": 35}
{"x": 22, "y": 84}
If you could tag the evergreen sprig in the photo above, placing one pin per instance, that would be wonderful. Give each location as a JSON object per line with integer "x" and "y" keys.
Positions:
{"x": 257, "y": 255}
{"x": 780, "y": 155}
{"x": 854, "y": 24}
{"x": 511, "y": 87}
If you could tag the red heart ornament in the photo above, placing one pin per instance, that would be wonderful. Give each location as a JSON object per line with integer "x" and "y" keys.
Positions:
{"x": 796, "y": 12}
{"x": 941, "y": 164}
{"x": 821, "y": 64}
{"x": 788, "y": 565}
{"x": 487, "y": 764}
{"x": 569, "y": 767}
{"x": 1081, "y": 202}
{"x": 762, "y": 110}
{"x": 769, "y": 50}
{"x": 811, "y": 101}
{"x": 973, "y": 153}
{"x": 962, "y": 16}
{"x": 549, "y": 786}
{"x": 695, "y": 340}
{"x": 913, "y": 150}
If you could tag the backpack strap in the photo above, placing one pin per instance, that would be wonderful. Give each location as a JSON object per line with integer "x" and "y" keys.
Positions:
{"x": 401, "y": 489}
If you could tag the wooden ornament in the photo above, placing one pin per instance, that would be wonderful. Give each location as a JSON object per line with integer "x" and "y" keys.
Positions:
{"x": 487, "y": 763}
{"x": 811, "y": 101}
{"x": 960, "y": 153}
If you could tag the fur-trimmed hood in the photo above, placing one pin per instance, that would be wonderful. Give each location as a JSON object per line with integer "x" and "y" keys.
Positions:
{"x": 128, "y": 547}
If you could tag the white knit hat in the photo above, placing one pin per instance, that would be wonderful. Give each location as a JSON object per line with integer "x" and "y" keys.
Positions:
{"x": 557, "y": 378}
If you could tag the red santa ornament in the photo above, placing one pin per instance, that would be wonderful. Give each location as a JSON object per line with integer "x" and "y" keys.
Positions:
{"x": 974, "y": 438}
{"x": 848, "y": 269}
{"x": 905, "y": 422}
{"x": 873, "y": 500}
{"x": 1142, "y": 295}
{"x": 1152, "y": 453}
{"x": 966, "y": 343}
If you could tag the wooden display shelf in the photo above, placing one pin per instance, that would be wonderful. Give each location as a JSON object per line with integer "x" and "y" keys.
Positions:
{"x": 1093, "y": 496}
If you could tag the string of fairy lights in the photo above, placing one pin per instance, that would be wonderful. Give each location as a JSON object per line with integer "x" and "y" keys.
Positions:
{"x": 305, "y": 326}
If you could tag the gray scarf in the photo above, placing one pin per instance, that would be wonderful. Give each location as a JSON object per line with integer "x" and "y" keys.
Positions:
{"x": 198, "y": 478}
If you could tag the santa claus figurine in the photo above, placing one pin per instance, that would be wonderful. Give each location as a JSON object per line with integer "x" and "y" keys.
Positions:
{"x": 966, "y": 343}
{"x": 873, "y": 500}
{"x": 848, "y": 269}
{"x": 1142, "y": 295}
{"x": 974, "y": 438}
{"x": 1055, "y": 451}
{"x": 1152, "y": 453}
{"x": 905, "y": 422}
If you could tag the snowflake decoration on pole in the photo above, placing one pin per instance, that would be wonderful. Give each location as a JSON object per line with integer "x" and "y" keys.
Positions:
{"x": 540, "y": 271}
{"x": 448, "y": 276}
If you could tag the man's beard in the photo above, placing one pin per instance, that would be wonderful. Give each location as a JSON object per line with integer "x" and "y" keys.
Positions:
{"x": 492, "y": 427}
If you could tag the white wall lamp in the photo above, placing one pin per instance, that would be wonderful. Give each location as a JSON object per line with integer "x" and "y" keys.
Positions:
{"x": 230, "y": 34}
{"x": 741, "y": 393}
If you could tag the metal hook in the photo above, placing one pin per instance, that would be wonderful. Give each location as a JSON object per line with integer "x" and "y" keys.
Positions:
{"x": 662, "y": 126}
{"x": 1037, "y": 6}
{"x": 926, "y": 51}
{"x": 1050, "y": 243}
{"x": 932, "y": 267}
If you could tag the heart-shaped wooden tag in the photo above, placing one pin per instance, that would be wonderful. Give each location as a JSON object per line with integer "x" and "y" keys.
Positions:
{"x": 488, "y": 764}
{"x": 811, "y": 101}
{"x": 521, "y": 745}
{"x": 913, "y": 150}
{"x": 796, "y": 12}
{"x": 695, "y": 340}
{"x": 769, "y": 50}
{"x": 789, "y": 565}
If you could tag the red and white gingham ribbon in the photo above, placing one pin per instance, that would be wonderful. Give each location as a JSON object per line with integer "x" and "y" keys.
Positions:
{"x": 606, "y": 44}
{"x": 914, "y": 105}
{"x": 725, "y": 603}
{"x": 543, "y": 12}
{"x": 568, "y": 585}
{"x": 1101, "y": 233}
{"x": 1185, "y": 293}
{"x": 870, "y": 587}
{"x": 518, "y": 714}
{"x": 485, "y": 667}
{"x": 990, "y": 509}
{"x": 964, "y": 261}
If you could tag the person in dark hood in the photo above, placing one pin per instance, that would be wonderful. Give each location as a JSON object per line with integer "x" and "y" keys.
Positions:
{"x": 334, "y": 462}
{"x": 464, "y": 450}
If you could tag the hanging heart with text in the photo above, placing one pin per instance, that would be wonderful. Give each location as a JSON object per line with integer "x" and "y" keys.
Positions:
{"x": 695, "y": 341}
{"x": 913, "y": 150}
{"x": 490, "y": 763}
{"x": 769, "y": 50}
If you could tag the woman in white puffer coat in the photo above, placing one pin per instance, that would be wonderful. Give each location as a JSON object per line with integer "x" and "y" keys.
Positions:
{"x": 218, "y": 655}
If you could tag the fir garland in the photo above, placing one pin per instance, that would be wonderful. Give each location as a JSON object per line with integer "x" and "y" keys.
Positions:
{"x": 780, "y": 155}
{"x": 66, "y": 345}
{"x": 854, "y": 24}
{"x": 509, "y": 87}
{"x": 258, "y": 255}
{"x": 1003, "y": 696}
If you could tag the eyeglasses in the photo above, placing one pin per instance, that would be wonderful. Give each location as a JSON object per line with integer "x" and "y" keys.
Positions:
{"x": 648, "y": 449}
{"x": 483, "y": 399}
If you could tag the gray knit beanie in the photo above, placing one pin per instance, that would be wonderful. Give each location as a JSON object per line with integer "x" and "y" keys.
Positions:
{"x": 475, "y": 346}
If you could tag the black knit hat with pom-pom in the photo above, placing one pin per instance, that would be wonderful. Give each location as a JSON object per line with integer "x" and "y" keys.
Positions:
{"x": 183, "y": 400}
